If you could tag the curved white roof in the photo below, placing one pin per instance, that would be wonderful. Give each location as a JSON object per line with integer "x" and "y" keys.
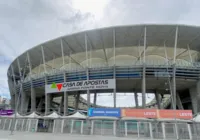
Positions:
{"x": 129, "y": 42}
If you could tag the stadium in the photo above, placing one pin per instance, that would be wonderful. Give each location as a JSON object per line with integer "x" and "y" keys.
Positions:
{"x": 160, "y": 59}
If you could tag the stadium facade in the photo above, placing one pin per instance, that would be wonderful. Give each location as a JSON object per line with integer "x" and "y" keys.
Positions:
{"x": 160, "y": 59}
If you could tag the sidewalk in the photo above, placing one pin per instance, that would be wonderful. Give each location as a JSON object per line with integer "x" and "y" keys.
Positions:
{"x": 5, "y": 135}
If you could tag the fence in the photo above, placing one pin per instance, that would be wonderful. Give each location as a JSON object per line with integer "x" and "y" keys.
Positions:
{"x": 119, "y": 128}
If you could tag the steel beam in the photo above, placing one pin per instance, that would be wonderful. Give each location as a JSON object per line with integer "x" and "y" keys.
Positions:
{"x": 189, "y": 53}
{"x": 43, "y": 58}
{"x": 62, "y": 52}
{"x": 33, "y": 98}
{"x": 144, "y": 72}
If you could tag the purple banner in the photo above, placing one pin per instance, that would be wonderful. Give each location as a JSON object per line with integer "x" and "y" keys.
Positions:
{"x": 6, "y": 112}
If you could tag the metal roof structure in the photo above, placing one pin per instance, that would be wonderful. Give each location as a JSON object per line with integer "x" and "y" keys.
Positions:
{"x": 128, "y": 40}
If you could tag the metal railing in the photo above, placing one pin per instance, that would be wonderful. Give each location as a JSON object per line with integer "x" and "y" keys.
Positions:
{"x": 118, "y": 128}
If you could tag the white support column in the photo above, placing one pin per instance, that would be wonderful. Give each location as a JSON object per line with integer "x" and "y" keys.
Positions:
{"x": 114, "y": 70}
{"x": 72, "y": 126}
{"x": 62, "y": 127}
{"x": 18, "y": 63}
{"x": 29, "y": 62}
{"x": 136, "y": 99}
{"x": 61, "y": 104}
{"x": 175, "y": 45}
{"x": 158, "y": 100}
{"x": 125, "y": 128}
{"x": 88, "y": 92}
{"x": 198, "y": 95}
{"x": 16, "y": 94}
{"x": 151, "y": 130}
{"x": 114, "y": 90}
{"x": 114, "y": 46}
{"x": 10, "y": 122}
{"x": 47, "y": 100}
{"x": 36, "y": 125}
{"x": 92, "y": 127}
{"x": 179, "y": 103}
{"x": 87, "y": 71}
{"x": 62, "y": 51}
{"x": 43, "y": 58}
{"x": 189, "y": 53}
{"x": 174, "y": 71}
{"x": 166, "y": 56}
{"x": 16, "y": 124}
{"x": 65, "y": 98}
{"x": 33, "y": 98}
{"x": 138, "y": 129}
{"x": 86, "y": 50}
{"x": 82, "y": 127}
{"x": 54, "y": 124}
{"x": 70, "y": 61}
{"x": 190, "y": 132}
{"x": 176, "y": 129}
{"x": 22, "y": 92}
{"x": 144, "y": 72}
{"x": 77, "y": 101}
{"x": 114, "y": 128}
{"x": 95, "y": 99}
{"x": 163, "y": 129}
{"x": 90, "y": 57}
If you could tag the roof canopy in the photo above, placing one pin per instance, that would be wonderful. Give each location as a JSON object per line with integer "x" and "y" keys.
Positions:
{"x": 32, "y": 115}
{"x": 101, "y": 39}
{"x": 53, "y": 115}
{"x": 76, "y": 115}
{"x": 197, "y": 118}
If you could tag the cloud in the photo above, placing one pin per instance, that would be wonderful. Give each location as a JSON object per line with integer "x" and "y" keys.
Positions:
{"x": 26, "y": 23}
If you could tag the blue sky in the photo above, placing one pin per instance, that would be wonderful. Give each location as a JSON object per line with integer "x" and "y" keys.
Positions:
{"x": 26, "y": 23}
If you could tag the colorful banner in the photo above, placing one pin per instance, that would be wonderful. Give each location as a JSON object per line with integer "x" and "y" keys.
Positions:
{"x": 6, "y": 112}
{"x": 172, "y": 114}
{"x": 104, "y": 112}
{"x": 81, "y": 85}
{"x": 139, "y": 113}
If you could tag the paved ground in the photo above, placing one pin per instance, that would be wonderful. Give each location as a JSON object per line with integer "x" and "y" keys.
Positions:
{"x": 5, "y": 135}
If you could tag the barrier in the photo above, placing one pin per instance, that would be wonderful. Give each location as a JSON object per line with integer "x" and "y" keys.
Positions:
{"x": 120, "y": 128}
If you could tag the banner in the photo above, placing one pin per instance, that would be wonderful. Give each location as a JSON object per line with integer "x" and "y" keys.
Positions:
{"x": 107, "y": 112}
{"x": 6, "y": 112}
{"x": 139, "y": 113}
{"x": 172, "y": 114}
{"x": 81, "y": 85}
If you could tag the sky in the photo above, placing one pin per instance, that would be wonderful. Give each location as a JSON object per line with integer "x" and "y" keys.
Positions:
{"x": 26, "y": 23}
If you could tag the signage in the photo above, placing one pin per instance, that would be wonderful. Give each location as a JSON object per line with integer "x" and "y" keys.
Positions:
{"x": 6, "y": 112}
{"x": 81, "y": 85}
{"x": 139, "y": 113}
{"x": 172, "y": 114}
{"x": 104, "y": 112}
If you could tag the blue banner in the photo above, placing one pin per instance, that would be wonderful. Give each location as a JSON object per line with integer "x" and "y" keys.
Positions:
{"x": 104, "y": 112}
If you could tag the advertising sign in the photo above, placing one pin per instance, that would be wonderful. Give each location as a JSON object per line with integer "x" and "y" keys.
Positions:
{"x": 104, "y": 112}
{"x": 172, "y": 114}
{"x": 6, "y": 112}
{"x": 81, "y": 85}
{"x": 139, "y": 113}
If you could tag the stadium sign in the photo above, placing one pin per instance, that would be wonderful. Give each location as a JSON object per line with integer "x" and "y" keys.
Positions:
{"x": 104, "y": 112}
{"x": 81, "y": 85}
